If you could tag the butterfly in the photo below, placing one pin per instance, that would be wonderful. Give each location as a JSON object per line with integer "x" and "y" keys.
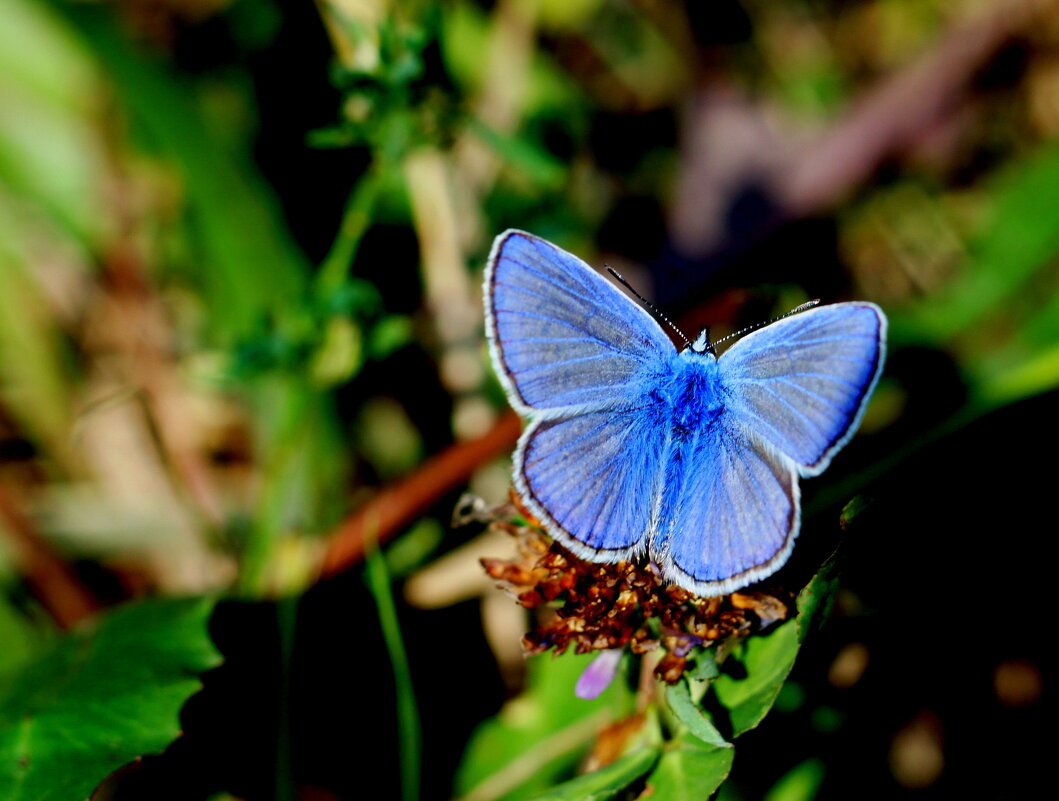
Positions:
{"x": 632, "y": 447}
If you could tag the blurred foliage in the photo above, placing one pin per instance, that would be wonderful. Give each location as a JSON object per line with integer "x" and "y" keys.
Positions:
{"x": 606, "y": 782}
{"x": 240, "y": 250}
{"x": 537, "y": 737}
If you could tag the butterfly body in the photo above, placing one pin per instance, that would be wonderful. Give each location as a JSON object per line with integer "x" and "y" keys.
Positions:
{"x": 693, "y": 393}
{"x": 633, "y": 447}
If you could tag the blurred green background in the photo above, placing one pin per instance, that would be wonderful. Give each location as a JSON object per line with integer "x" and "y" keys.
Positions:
{"x": 241, "y": 343}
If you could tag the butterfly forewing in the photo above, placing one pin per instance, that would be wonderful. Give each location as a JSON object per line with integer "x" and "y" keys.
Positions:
{"x": 802, "y": 383}
{"x": 729, "y": 518}
{"x": 562, "y": 334}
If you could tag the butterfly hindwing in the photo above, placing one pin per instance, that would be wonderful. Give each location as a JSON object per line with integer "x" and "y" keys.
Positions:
{"x": 561, "y": 335}
{"x": 729, "y": 518}
{"x": 802, "y": 383}
{"x": 593, "y": 479}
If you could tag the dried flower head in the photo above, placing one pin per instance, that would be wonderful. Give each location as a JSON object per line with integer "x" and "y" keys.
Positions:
{"x": 598, "y": 607}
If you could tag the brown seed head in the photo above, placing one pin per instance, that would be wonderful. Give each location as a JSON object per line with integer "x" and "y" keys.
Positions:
{"x": 601, "y": 606}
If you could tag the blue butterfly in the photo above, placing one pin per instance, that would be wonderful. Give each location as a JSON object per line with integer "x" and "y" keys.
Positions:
{"x": 632, "y": 447}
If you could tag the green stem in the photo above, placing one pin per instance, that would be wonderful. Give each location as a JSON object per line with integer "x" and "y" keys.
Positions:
{"x": 288, "y": 433}
{"x": 355, "y": 221}
{"x": 286, "y": 619}
{"x": 407, "y": 714}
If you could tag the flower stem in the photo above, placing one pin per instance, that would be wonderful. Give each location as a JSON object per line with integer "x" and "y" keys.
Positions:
{"x": 378, "y": 578}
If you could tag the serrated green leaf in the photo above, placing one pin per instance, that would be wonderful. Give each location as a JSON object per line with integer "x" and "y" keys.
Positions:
{"x": 101, "y": 698}
{"x": 689, "y": 770}
{"x": 606, "y": 782}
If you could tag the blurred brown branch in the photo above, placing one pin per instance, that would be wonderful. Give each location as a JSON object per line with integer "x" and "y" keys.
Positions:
{"x": 138, "y": 329}
{"x": 731, "y": 142}
{"x": 900, "y": 109}
{"x": 48, "y": 576}
{"x": 397, "y": 506}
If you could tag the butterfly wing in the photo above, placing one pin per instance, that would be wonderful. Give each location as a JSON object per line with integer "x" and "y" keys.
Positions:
{"x": 593, "y": 480}
{"x": 563, "y": 338}
{"x": 802, "y": 383}
{"x": 793, "y": 393}
{"x": 578, "y": 358}
{"x": 729, "y": 512}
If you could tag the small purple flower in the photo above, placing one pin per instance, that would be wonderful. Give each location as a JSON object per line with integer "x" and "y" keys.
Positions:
{"x": 599, "y": 674}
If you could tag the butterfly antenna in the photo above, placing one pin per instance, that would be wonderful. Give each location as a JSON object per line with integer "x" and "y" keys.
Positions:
{"x": 648, "y": 304}
{"x": 756, "y": 326}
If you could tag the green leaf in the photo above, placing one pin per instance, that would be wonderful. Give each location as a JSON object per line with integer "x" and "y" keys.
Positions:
{"x": 689, "y": 770}
{"x": 678, "y": 696}
{"x": 799, "y": 784}
{"x": 606, "y": 782}
{"x": 33, "y": 381}
{"x": 339, "y": 354}
{"x": 529, "y": 158}
{"x": 51, "y": 152}
{"x": 22, "y": 641}
{"x": 101, "y": 698}
{"x": 816, "y": 598}
{"x": 768, "y": 659}
{"x": 705, "y": 665}
{"x": 1020, "y": 238}
{"x": 390, "y": 333}
{"x": 856, "y": 506}
{"x": 538, "y": 737}
{"x": 1036, "y": 373}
